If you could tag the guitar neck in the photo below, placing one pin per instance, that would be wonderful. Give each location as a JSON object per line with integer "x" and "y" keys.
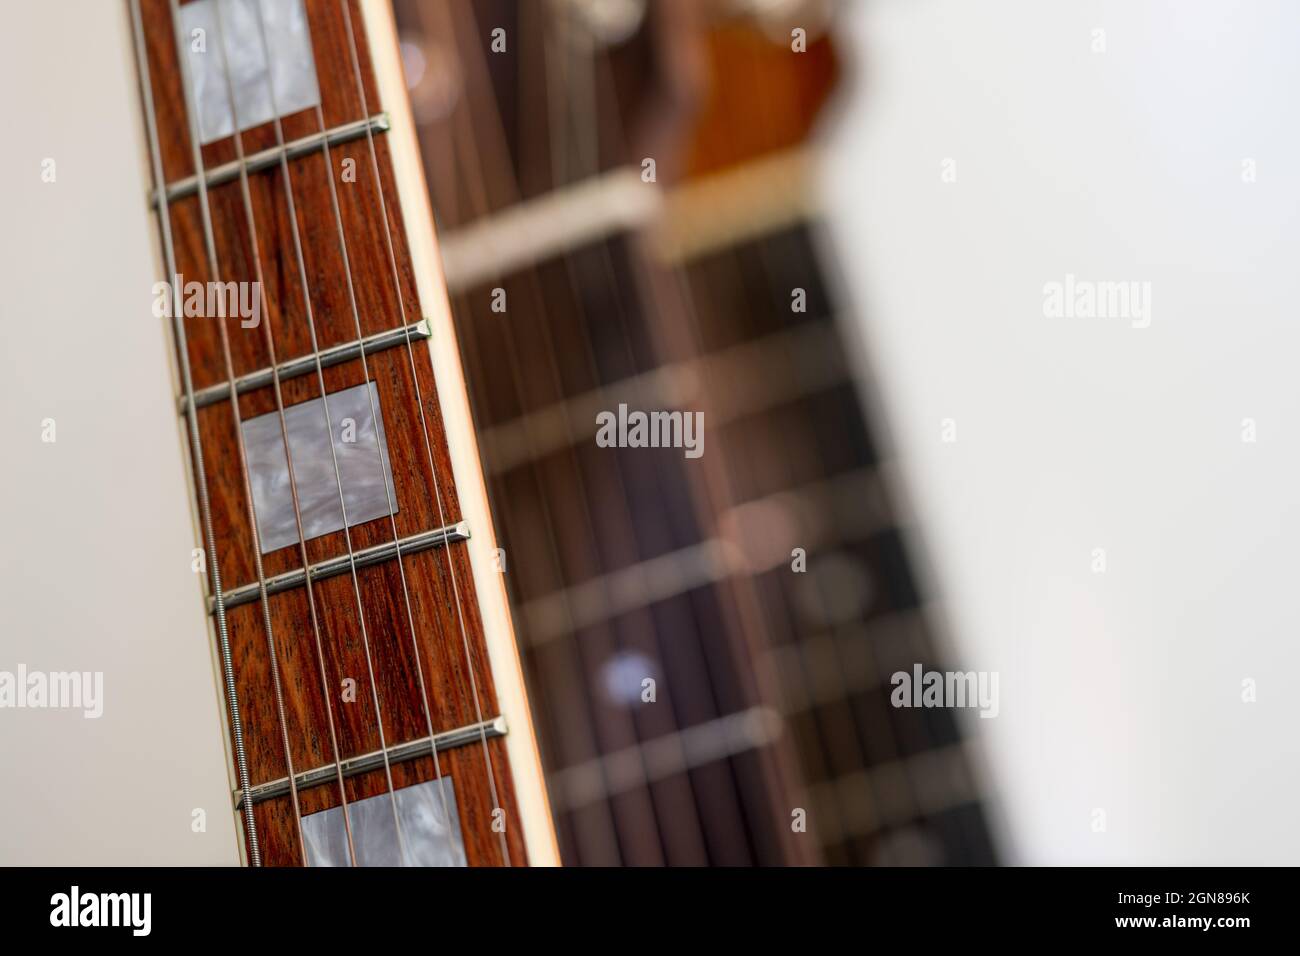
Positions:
{"x": 367, "y": 656}
{"x": 770, "y": 673}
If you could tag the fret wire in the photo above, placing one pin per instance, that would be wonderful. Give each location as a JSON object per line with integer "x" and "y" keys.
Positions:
{"x": 364, "y": 558}
{"x": 270, "y": 158}
{"x": 545, "y": 226}
{"x": 661, "y": 757}
{"x": 905, "y": 627}
{"x": 304, "y": 365}
{"x": 424, "y": 428}
{"x": 214, "y": 270}
{"x": 780, "y": 367}
{"x": 196, "y": 443}
{"x": 397, "y": 753}
{"x": 952, "y": 763}
{"x": 628, "y": 589}
{"x": 615, "y": 593}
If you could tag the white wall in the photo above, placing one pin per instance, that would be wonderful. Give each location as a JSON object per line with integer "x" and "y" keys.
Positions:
{"x": 96, "y": 529}
{"x": 1121, "y": 690}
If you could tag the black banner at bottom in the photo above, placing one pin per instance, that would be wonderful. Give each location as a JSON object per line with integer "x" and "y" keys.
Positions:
{"x": 304, "y": 908}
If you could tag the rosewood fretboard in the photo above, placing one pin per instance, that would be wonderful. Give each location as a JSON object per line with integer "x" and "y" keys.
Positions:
{"x": 419, "y": 664}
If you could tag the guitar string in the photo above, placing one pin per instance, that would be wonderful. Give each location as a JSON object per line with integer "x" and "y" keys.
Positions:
{"x": 765, "y": 264}
{"x": 428, "y": 445}
{"x": 475, "y": 165}
{"x": 582, "y": 671}
{"x": 692, "y": 301}
{"x": 457, "y": 142}
{"x": 605, "y": 251}
{"x": 196, "y": 442}
{"x": 767, "y": 302}
{"x": 861, "y": 734}
{"x": 652, "y": 817}
{"x": 708, "y": 298}
{"x": 470, "y": 161}
{"x": 724, "y": 841}
{"x": 408, "y": 340}
{"x": 832, "y": 728}
{"x": 447, "y": 139}
{"x": 284, "y": 432}
{"x": 320, "y": 376}
{"x": 731, "y": 693}
{"x": 737, "y": 652}
{"x": 574, "y": 88}
{"x": 819, "y": 717}
{"x": 735, "y": 791}
{"x": 205, "y": 211}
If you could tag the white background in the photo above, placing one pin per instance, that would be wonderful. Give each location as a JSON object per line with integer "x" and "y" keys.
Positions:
{"x": 1122, "y": 690}
{"x": 95, "y": 528}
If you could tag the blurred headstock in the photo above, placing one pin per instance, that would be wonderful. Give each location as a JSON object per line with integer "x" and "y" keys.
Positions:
{"x": 584, "y": 86}
{"x": 759, "y": 72}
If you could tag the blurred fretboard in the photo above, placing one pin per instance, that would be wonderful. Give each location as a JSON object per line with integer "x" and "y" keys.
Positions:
{"x": 770, "y": 681}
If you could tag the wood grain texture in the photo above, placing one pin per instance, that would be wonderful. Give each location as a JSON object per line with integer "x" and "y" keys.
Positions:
{"x": 447, "y": 642}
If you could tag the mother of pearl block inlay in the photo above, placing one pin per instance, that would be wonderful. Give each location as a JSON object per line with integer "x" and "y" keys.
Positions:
{"x": 235, "y": 41}
{"x": 430, "y": 829}
{"x": 356, "y": 463}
